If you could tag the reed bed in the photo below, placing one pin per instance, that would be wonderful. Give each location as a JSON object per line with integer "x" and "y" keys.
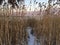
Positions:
{"x": 13, "y": 30}
{"x": 46, "y": 29}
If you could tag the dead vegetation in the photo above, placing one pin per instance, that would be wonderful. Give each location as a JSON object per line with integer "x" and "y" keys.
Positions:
{"x": 12, "y": 30}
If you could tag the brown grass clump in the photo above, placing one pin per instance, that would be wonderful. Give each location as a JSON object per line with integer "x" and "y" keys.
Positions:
{"x": 13, "y": 30}
{"x": 46, "y": 29}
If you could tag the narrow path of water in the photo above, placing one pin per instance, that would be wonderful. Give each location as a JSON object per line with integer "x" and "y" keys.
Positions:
{"x": 32, "y": 38}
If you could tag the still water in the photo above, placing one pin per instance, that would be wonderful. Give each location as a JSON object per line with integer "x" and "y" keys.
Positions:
{"x": 32, "y": 38}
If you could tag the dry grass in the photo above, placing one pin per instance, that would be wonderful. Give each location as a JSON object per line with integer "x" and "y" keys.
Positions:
{"x": 12, "y": 29}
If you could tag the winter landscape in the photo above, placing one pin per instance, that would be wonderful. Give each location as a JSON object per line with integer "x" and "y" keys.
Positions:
{"x": 29, "y": 22}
